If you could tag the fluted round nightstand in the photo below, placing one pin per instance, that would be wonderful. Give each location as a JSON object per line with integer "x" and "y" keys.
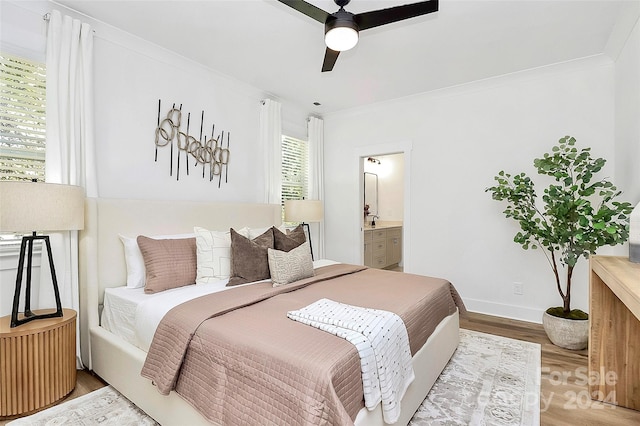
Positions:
{"x": 37, "y": 363}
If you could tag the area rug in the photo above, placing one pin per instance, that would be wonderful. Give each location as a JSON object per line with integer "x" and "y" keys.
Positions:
{"x": 105, "y": 406}
{"x": 490, "y": 380}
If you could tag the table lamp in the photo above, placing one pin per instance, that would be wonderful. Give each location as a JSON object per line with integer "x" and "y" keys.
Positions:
{"x": 304, "y": 211}
{"x": 30, "y": 206}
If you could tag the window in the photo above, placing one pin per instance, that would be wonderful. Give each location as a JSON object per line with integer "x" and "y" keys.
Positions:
{"x": 295, "y": 169}
{"x": 22, "y": 127}
{"x": 22, "y": 118}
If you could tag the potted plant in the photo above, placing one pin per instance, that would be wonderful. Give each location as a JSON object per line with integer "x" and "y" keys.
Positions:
{"x": 577, "y": 214}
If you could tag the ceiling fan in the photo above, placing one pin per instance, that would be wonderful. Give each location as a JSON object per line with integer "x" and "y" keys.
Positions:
{"x": 341, "y": 28}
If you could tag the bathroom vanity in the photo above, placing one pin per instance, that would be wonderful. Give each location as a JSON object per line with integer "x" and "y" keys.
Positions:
{"x": 383, "y": 246}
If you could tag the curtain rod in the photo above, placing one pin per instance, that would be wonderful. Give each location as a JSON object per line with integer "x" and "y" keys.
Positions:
{"x": 47, "y": 17}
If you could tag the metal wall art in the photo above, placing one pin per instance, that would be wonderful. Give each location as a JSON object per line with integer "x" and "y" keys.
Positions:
{"x": 206, "y": 152}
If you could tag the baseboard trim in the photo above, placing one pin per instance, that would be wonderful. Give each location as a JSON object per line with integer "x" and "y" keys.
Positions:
{"x": 515, "y": 312}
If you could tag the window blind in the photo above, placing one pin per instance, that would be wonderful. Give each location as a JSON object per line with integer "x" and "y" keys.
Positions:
{"x": 295, "y": 168}
{"x": 22, "y": 118}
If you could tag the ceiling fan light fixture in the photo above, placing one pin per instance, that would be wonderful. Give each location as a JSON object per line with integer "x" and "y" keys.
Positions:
{"x": 341, "y": 38}
{"x": 342, "y": 33}
{"x": 341, "y": 28}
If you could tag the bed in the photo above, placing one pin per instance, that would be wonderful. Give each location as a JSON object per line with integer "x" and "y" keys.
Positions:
{"x": 118, "y": 359}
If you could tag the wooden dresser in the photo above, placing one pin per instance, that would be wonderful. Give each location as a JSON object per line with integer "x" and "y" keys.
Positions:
{"x": 37, "y": 363}
{"x": 614, "y": 331}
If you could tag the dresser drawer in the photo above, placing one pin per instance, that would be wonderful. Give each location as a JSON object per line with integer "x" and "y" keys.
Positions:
{"x": 380, "y": 261}
{"x": 379, "y": 234}
{"x": 394, "y": 232}
{"x": 379, "y": 247}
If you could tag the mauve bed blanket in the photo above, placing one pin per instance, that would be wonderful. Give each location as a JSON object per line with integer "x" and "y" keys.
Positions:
{"x": 238, "y": 359}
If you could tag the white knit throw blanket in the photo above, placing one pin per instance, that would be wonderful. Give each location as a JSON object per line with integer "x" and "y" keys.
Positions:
{"x": 382, "y": 342}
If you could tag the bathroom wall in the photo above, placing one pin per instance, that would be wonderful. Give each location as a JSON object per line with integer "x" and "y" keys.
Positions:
{"x": 390, "y": 173}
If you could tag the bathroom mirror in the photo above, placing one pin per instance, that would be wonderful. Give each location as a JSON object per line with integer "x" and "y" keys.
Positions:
{"x": 371, "y": 193}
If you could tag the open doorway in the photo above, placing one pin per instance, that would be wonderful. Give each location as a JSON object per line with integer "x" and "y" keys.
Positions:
{"x": 383, "y": 208}
{"x": 383, "y": 211}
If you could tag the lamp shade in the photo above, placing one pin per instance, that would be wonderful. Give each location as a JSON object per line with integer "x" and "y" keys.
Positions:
{"x": 34, "y": 206}
{"x": 303, "y": 211}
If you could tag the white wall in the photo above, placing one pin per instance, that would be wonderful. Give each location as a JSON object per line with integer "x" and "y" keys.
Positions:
{"x": 627, "y": 113}
{"x": 461, "y": 137}
{"x": 130, "y": 76}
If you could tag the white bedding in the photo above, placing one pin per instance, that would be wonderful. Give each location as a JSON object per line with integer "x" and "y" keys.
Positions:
{"x": 134, "y": 315}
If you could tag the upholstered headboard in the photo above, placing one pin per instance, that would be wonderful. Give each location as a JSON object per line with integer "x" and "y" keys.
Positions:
{"x": 101, "y": 255}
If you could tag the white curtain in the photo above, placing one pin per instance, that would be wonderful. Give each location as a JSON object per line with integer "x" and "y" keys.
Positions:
{"x": 315, "y": 134}
{"x": 271, "y": 144}
{"x": 70, "y": 152}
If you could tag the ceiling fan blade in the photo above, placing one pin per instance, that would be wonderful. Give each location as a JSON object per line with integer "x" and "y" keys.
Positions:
{"x": 330, "y": 57}
{"x": 394, "y": 14}
{"x": 308, "y": 9}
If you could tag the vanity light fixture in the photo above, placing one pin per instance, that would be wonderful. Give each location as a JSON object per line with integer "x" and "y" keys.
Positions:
{"x": 373, "y": 160}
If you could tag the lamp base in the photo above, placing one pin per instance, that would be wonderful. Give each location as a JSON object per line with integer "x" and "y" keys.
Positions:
{"x": 306, "y": 225}
{"x": 27, "y": 244}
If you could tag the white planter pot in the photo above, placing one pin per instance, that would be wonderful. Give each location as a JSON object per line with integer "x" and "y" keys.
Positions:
{"x": 566, "y": 333}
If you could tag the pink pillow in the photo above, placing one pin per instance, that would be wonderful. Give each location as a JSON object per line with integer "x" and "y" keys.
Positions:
{"x": 168, "y": 263}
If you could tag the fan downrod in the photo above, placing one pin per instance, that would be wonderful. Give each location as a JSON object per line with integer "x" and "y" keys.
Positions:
{"x": 342, "y": 3}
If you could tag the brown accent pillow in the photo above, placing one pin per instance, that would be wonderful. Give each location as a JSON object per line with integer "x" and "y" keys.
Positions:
{"x": 249, "y": 258}
{"x": 290, "y": 240}
{"x": 168, "y": 263}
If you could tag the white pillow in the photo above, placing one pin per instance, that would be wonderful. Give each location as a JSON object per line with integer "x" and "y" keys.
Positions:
{"x": 287, "y": 267}
{"x": 256, "y": 232}
{"x": 136, "y": 275}
{"x": 213, "y": 254}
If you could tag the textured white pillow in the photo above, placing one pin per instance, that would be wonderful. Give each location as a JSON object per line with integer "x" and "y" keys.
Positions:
{"x": 213, "y": 253}
{"x": 287, "y": 267}
{"x": 136, "y": 276}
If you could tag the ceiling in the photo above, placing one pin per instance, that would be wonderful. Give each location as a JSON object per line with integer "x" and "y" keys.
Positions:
{"x": 278, "y": 50}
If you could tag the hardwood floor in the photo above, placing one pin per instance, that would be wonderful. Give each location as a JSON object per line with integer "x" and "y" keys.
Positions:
{"x": 564, "y": 395}
{"x": 564, "y": 392}
{"x": 85, "y": 382}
